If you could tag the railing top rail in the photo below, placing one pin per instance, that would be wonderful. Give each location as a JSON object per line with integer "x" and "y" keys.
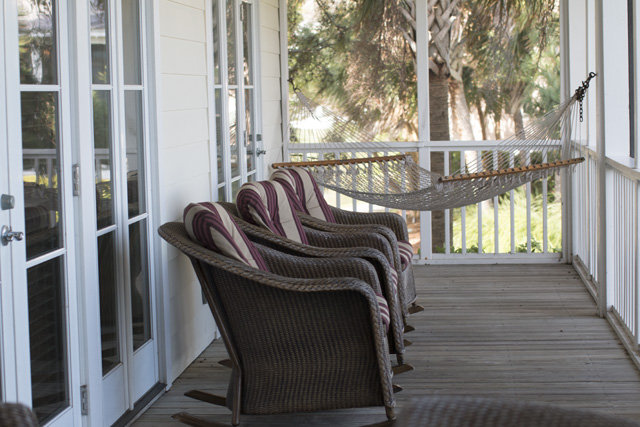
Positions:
{"x": 393, "y": 146}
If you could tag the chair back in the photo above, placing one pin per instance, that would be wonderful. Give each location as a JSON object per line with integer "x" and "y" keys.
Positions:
{"x": 306, "y": 191}
{"x": 266, "y": 203}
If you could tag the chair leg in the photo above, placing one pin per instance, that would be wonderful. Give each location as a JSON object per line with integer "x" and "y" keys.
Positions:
{"x": 415, "y": 308}
{"x": 207, "y": 397}
{"x": 190, "y": 420}
{"x": 401, "y": 369}
{"x": 226, "y": 363}
{"x": 408, "y": 328}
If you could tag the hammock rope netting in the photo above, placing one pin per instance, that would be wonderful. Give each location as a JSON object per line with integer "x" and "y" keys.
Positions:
{"x": 395, "y": 181}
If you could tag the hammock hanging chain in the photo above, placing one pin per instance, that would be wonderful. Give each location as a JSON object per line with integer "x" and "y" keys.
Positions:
{"x": 582, "y": 90}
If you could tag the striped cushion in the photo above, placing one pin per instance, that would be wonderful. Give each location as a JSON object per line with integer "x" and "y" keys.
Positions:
{"x": 307, "y": 190}
{"x": 210, "y": 225}
{"x": 384, "y": 311}
{"x": 266, "y": 204}
{"x": 406, "y": 253}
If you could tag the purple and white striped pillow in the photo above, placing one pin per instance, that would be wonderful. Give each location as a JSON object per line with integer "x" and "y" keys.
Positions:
{"x": 406, "y": 253}
{"x": 210, "y": 225}
{"x": 307, "y": 190}
{"x": 384, "y": 311}
{"x": 265, "y": 203}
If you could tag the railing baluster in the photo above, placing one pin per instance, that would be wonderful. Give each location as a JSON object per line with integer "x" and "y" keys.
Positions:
{"x": 447, "y": 212}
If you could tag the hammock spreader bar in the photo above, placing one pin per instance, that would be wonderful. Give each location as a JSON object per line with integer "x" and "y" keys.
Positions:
{"x": 510, "y": 171}
{"x": 339, "y": 162}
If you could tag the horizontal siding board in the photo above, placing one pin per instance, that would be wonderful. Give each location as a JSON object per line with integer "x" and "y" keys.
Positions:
{"x": 185, "y": 162}
{"x": 269, "y": 40}
{"x": 270, "y": 65}
{"x": 184, "y": 92}
{"x": 270, "y": 89}
{"x": 269, "y": 17}
{"x": 185, "y": 127}
{"x": 271, "y": 113}
{"x": 183, "y": 57}
{"x": 196, "y": 4}
{"x": 181, "y": 22}
{"x": 178, "y": 196}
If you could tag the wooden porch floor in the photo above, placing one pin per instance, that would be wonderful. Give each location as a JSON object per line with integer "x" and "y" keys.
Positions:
{"x": 522, "y": 332}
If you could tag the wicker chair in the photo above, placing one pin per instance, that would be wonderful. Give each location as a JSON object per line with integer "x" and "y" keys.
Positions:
{"x": 295, "y": 344}
{"x": 340, "y": 245}
{"x": 16, "y": 414}
{"x": 314, "y": 212}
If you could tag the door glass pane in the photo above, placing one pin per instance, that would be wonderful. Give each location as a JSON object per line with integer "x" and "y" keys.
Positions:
{"x": 107, "y": 270}
{"x": 219, "y": 139}
{"x": 231, "y": 41}
{"x": 249, "y": 129}
{"x": 216, "y": 43}
{"x": 140, "y": 314}
{"x": 50, "y": 390}
{"x": 135, "y": 152}
{"x": 99, "y": 41}
{"x": 131, "y": 42}
{"x": 38, "y": 50}
{"x": 40, "y": 151}
{"x": 247, "y": 43}
{"x": 233, "y": 130}
{"x": 103, "y": 157}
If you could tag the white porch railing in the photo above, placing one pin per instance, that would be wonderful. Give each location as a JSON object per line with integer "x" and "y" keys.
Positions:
{"x": 479, "y": 228}
{"x": 621, "y": 246}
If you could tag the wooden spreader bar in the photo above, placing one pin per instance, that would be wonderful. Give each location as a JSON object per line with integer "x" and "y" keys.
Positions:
{"x": 510, "y": 171}
{"x": 338, "y": 162}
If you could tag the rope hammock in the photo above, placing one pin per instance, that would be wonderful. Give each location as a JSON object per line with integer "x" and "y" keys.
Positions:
{"x": 396, "y": 181}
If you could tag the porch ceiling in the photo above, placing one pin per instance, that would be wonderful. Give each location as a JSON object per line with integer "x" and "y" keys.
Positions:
{"x": 516, "y": 332}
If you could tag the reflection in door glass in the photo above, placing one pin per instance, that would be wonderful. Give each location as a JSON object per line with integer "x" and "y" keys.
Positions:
{"x": 140, "y": 314}
{"x": 234, "y": 146}
{"x": 103, "y": 157}
{"x": 231, "y": 41}
{"x": 135, "y": 152}
{"x": 100, "y": 41}
{"x": 50, "y": 390}
{"x": 131, "y": 42}
{"x": 249, "y": 129}
{"x": 38, "y": 49}
{"x": 107, "y": 270}
{"x": 247, "y": 45}
{"x": 40, "y": 151}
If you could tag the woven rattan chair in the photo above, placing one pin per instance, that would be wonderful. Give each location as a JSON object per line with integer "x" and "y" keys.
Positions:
{"x": 314, "y": 212}
{"x": 339, "y": 245}
{"x": 16, "y": 414}
{"x": 295, "y": 344}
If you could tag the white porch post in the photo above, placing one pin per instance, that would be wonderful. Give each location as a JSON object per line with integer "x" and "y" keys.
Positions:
{"x": 603, "y": 303}
{"x": 424, "y": 153}
{"x": 565, "y": 93}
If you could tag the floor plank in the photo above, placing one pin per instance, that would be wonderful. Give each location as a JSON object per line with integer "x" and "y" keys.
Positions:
{"x": 519, "y": 332}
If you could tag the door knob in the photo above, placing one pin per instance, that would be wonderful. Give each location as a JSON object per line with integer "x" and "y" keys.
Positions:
{"x": 7, "y": 235}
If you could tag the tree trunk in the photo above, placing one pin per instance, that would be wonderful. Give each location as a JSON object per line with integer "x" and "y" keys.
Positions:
{"x": 439, "y": 131}
{"x": 482, "y": 118}
{"x": 460, "y": 117}
{"x": 518, "y": 120}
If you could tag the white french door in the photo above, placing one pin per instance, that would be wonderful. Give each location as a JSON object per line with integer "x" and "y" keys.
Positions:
{"x": 39, "y": 321}
{"x": 237, "y": 121}
{"x": 122, "y": 228}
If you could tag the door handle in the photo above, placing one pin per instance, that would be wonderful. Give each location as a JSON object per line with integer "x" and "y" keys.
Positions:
{"x": 7, "y": 235}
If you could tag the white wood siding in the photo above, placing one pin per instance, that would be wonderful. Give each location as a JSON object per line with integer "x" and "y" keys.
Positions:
{"x": 185, "y": 168}
{"x": 270, "y": 57}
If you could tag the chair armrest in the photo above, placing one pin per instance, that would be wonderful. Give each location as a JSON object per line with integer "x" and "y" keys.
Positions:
{"x": 317, "y": 268}
{"x": 318, "y": 224}
{"x": 388, "y": 219}
{"x": 352, "y": 239}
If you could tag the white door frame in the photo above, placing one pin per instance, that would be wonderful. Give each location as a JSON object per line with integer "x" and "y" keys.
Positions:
{"x": 21, "y": 390}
